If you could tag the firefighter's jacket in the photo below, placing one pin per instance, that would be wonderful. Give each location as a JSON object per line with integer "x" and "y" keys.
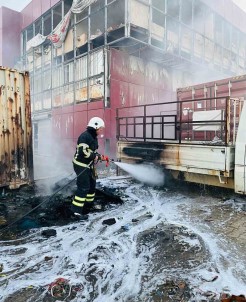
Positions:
{"x": 87, "y": 145}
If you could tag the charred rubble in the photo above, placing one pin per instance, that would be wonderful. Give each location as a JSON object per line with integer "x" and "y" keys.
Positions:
{"x": 25, "y": 209}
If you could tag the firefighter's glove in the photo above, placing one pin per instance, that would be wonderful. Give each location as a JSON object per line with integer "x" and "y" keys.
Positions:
{"x": 105, "y": 158}
{"x": 97, "y": 157}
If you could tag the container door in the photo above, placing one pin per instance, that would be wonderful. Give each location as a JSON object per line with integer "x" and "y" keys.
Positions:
{"x": 240, "y": 154}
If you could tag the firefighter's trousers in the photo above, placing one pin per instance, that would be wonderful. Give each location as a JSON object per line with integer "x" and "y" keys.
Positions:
{"x": 86, "y": 186}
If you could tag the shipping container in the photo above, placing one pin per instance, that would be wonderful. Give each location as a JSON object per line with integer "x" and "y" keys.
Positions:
{"x": 16, "y": 156}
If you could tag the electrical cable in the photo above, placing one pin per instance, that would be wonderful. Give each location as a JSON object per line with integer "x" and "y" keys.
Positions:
{"x": 9, "y": 225}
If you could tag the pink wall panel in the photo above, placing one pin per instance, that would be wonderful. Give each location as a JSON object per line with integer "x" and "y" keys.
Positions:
{"x": 119, "y": 95}
{"x": 27, "y": 15}
{"x": 67, "y": 109}
{"x": 151, "y": 95}
{"x": 56, "y": 111}
{"x": 81, "y": 106}
{"x": 110, "y": 130}
{"x": 119, "y": 65}
{"x": 166, "y": 96}
{"x": 67, "y": 126}
{"x": 10, "y": 36}
{"x": 152, "y": 76}
{"x": 56, "y": 126}
{"x": 165, "y": 80}
{"x": 45, "y": 5}
{"x": 136, "y": 71}
{"x": 95, "y": 105}
{"x": 53, "y": 2}
{"x": 36, "y": 8}
{"x": 110, "y": 122}
{"x": 136, "y": 95}
{"x": 98, "y": 112}
{"x": 80, "y": 121}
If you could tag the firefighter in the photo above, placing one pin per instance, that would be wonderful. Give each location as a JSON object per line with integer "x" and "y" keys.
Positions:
{"x": 84, "y": 166}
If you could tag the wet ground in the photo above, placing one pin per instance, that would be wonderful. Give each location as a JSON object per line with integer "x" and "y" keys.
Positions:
{"x": 176, "y": 243}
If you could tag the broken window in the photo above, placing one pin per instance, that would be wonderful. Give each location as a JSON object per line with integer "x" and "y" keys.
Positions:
{"x": 158, "y": 17}
{"x": 186, "y": 12}
{"x": 38, "y": 27}
{"x": 68, "y": 45}
{"x": 68, "y": 73}
{"x": 68, "y": 96}
{"x": 23, "y": 41}
{"x": 116, "y": 15}
{"x": 97, "y": 18}
{"x": 31, "y": 82}
{"x": 47, "y": 99}
{"x": 159, "y": 4}
{"x": 200, "y": 15}
{"x": 209, "y": 50}
{"x": 81, "y": 33}
{"x": 234, "y": 40}
{"x": 47, "y": 28}
{"x": 35, "y": 137}
{"x": 81, "y": 68}
{"x": 173, "y": 29}
{"x": 47, "y": 52}
{"x": 173, "y": 8}
{"x": 46, "y": 78}
{"x": 217, "y": 54}
{"x": 67, "y": 6}
{"x": 199, "y": 45}
{"x": 96, "y": 62}
{"x": 57, "y": 15}
{"x": 81, "y": 92}
{"x": 227, "y": 35}
{"x": 82, "y": 15}
{"x": 29, "y": 33}
{"x": 218, "y": 29}
{"x": 38, "y": 83}
{"x": 209, "y": 24}
{"x": 57, "y": 97}
{"x": 37, "y": 57}
{"x": 186, "y": 40}
{"x": 139, "y": 14}
{"x": 57, "y": 77}
{"x": 242, "y": 45}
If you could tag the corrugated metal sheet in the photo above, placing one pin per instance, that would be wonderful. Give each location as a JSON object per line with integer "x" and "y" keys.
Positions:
{"x": 16, "y": 161}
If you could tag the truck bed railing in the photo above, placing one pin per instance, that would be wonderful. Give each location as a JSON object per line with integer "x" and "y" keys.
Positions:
{"x": 198, "y": 121}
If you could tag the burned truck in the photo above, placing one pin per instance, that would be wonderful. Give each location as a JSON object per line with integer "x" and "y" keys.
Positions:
{"x": 198, "y": 138}
{"x": 16, "y": 156}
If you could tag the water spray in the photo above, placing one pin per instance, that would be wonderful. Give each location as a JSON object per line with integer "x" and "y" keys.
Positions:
{"x": 145, "y": 173}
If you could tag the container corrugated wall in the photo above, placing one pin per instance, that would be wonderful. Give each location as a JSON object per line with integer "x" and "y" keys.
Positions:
{"x": 16, "y": 157}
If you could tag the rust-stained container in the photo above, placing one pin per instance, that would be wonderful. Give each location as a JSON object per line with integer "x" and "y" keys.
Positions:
{"x": 16, "y": 156}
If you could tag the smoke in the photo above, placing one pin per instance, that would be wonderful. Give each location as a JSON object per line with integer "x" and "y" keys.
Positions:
{"x": 52, "y": 159}
{"x": 144, "y": 173}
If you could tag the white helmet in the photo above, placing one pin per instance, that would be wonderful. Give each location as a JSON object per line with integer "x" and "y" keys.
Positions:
{"x": 96, "y": 123}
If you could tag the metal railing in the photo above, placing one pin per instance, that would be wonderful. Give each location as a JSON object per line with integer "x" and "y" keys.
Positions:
{"x": 198, "y": 121}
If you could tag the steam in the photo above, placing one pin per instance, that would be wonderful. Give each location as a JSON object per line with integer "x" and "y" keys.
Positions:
{"x": 147, "y": 174}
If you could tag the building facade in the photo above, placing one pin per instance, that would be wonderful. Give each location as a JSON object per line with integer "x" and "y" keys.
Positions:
{"x": 118, "y": 53}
